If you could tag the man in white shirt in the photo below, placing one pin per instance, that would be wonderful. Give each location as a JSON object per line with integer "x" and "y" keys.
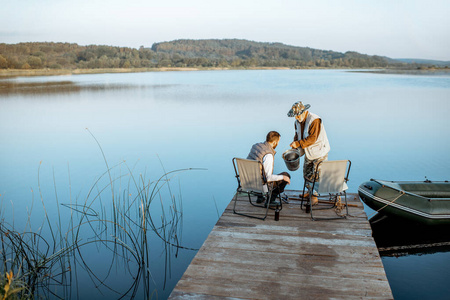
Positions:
{"x": 265, "y": 152}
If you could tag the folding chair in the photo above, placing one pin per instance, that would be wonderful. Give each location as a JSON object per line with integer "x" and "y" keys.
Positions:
{"x": 252, "y": 181}
{"x": 333, "y": 177}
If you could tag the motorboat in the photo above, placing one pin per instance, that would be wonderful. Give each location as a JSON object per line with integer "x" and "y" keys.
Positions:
{"x": 426, "y": 202}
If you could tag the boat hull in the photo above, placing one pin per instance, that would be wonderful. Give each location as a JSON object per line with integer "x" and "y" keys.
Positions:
{"x": 429, "y": 205}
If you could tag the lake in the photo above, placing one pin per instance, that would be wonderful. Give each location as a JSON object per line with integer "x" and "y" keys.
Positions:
{"x": 90, "y": 153}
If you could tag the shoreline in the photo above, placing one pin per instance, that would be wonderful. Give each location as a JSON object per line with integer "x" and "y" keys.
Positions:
{"x": 5, "y": 73}
{"x": 10, "y": 73}
{"x": 56, "y": 72}
{"x": 405, "y": 71}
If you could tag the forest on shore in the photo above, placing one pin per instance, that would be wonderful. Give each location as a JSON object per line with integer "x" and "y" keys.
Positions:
{"x": 213, "y": 53}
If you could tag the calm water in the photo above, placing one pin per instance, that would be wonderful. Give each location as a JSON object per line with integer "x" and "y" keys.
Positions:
{"x": 391, "y": 127}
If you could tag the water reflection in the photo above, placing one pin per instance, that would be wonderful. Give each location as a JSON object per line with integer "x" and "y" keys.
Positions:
{"x": 80, "y": 248}
{"x": 416, "y": 257}
{"x": 44, "y": 88}
{"x": 401, "y": 238}
{"x": 203, "y": 119}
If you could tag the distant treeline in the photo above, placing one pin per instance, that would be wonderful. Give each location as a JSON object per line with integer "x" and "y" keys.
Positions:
{"x": 230, "y": 53}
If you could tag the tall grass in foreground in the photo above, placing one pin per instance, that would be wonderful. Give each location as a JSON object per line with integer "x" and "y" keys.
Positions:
{"x": 115, "y": 220}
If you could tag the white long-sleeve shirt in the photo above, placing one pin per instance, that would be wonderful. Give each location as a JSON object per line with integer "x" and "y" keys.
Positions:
{"x": 268, "y": 168}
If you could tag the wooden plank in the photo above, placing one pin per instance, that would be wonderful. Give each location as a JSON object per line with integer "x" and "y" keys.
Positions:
{"x": 293, "y": 258}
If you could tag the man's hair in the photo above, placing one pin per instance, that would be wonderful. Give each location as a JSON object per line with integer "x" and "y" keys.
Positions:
{"x": 272, "y": 136}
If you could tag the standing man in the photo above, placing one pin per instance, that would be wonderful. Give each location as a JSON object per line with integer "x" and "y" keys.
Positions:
{"x": 265, "y": 152}
{"x": 311, "y": 139}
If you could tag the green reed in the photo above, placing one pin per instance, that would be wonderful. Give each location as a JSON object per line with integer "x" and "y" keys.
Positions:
{"x": 50, "y": 259}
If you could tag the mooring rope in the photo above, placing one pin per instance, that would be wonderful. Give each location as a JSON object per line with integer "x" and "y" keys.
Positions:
{"x": 378, "y": 210}
{"x": 410, "y": 247}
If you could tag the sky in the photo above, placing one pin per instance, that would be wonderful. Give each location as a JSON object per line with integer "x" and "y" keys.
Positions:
{"x": 392, "y": 28}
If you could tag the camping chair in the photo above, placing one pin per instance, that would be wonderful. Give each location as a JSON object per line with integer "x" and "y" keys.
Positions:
{"x": 252, "y": 181}
{"x": 333, "y": 181}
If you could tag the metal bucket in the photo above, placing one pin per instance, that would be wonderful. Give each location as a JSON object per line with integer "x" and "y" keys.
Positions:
{"x": 291, "y": 158}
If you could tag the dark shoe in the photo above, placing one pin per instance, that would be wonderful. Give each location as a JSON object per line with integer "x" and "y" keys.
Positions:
{"x": 260, "y": 199}
{"x": 272, "y": 204}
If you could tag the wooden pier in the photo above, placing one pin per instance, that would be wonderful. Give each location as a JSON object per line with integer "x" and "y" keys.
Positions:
{"x": 293, "y": 258}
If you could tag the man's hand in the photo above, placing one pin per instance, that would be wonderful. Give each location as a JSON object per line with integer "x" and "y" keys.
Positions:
{"x": 295, "y": 144}
{"x": 286, "y": 178}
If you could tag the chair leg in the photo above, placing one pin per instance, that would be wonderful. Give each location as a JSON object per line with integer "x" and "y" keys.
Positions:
{"x": 246, "y": 215}
{"x": 310, "y": 205}
{"x": 281, "y": 201}
{"x": 309, "y": 186}
{"x": 267, "y": 203}
{"x": 235, "y": 200}
{"x": 303, "y": 192}
{"x": 346, "y": 205}
{"x": 333, "y": 218}
{"x": 250, "y": 199}
{"x": 251, "y": 202}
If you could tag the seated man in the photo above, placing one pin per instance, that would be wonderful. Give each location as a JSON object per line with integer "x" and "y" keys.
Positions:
{"x": 265, "y": 152}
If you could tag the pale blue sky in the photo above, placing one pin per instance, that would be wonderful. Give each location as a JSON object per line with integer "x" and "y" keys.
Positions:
{"x": 393, "y": 28}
